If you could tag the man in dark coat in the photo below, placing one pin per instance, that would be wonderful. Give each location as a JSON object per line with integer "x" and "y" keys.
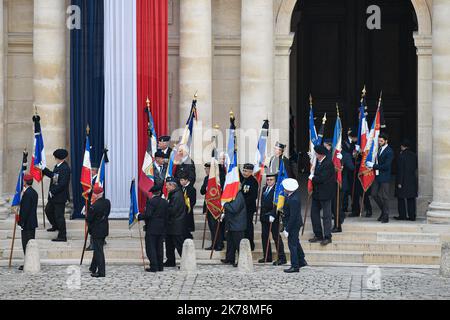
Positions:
{"x": 176, "y": 222}
{"x": 274, "y": 162}
{"x": 381, "y": 185}
{"x": 58, "y": 194}
{"x": 235, "y": 217}
{"x": 212, "y": 222}
{"x": 164, "y": 146}
{"x": 348, "y": 163}
{"x": 324, "y": 188}
{"x": 270, "y": 223}
{"x": 249, "y": 187}
{"x": 184, "y": 164}
{"x": 98, "y": 226}
{"x": 28, "y": 212}
{"x": 406, "y": 186}
{"x": 292, "y": 222}
{"x": 159, "y": 167}
{"x": 155, "y": 228}
{"x": 190, "y": 198}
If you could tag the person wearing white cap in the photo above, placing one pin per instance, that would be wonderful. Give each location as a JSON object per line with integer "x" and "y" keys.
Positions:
{"x": 292, "y": 222}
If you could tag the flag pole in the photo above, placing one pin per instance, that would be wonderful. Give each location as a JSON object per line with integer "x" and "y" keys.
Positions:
{"x": 215, "y": 240}
{"x": 43, "y": 200}
{"x": 13, "y": 238}
{"x": 142, "y": 246}
{"x": 267, "y": 244}
{"x": 86, "y": 210}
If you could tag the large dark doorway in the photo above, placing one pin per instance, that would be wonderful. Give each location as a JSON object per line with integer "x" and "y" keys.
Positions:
{"x": 334, "y": 54}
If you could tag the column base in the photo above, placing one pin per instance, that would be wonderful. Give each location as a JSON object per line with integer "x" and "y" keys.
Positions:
{"x": 438, "y": 213}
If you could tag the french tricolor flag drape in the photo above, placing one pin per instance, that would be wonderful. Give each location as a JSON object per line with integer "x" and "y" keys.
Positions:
{"x": 118, "y": 59}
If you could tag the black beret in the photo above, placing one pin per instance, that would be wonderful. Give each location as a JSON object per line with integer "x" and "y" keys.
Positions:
{"x": 60, "y": 154}
{"x": 170, "y": 179}
{"x": 164, "y": 138}
{"x": 159, "y": 154}
{"x": 183, "y": 175}
{"x": 320, "y": 150}
{"x": 156, "y": 188}
{"x": 406, "y": 143}
{"x": 248, "y": 166}
{"x": 271, "y": 174}
{"x": 280, "y": 145}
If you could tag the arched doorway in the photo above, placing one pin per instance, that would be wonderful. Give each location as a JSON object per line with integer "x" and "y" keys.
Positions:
{"x": 334, "y": 55}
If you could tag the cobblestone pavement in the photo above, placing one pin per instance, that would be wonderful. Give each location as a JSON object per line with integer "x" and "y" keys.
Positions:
{"x": 223, "y": 282}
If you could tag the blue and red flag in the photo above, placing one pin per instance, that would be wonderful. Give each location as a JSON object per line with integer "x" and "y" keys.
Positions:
{"x": 337, "y": 149}
{"x": 38, "y": 158}
{"x": 258, "y": 172}
{"x": 232, "y": 181}
{"x": 146, "y": 176}
{"x": 86, "y": 170}
{"x": 313, "y": 141}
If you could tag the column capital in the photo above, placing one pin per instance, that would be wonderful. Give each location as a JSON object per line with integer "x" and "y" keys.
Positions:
{"x": 283, "y": 44}
{"x": 424, "y": 44}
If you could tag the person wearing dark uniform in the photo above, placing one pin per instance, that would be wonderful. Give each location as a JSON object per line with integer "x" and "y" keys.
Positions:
{"x": 324, "y": 185}
{"x": 184, "y": 165}
{"x": 58, "y": 194}
{"x": 406, "y": 186}
{"x": 155, "y": 228}
{"x": 381, "y": 185}
{"x": 348, "y": 170}
{"x": 176, "y": 221}
{"x": 28, "y": 213}
{"x": 159, "y": 167}
{"x": 292, "y": 222}
{"x": 190, "y": 198}
{"x": 235, "y": 217}
{"x": 212, "y": 222}
{"x": 94, "y": 171}
{"x": 249, "y": 187}
{"x": 274, "y": 162}
{"x": 269, "y": 215}
{"x": 98, "y": 227}
{"x": 164, "y": 146}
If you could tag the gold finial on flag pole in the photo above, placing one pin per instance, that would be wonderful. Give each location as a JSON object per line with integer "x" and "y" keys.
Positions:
{"x": 148, "y": 102}
{"x": 88, "y": 129}
{"x": 232, "y": 114}
{"x": 364, "y": 91}
{"x": 310, "y": 100}
{"x": 324, "y": 119}
{"x": 196, "y": 95}
{"x": 337, "y": 109}
{"x": 381, "y": 95}
{"x": 216, "y": 126}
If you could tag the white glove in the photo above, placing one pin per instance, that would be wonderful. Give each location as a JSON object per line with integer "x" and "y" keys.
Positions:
{"x": 357, "y": 148}
{"x": 50, "y": 194}
{"x": 20, "y": 228}
{"x": 271, "y": 219}
{"x": 339, "y": 156}
{"x": 311, "y": 176}
{"x": 286, "y": 234}
{"x": 222, "y": 216}
{"x": 369, "y": 164}
{"x": 137, "y": 215}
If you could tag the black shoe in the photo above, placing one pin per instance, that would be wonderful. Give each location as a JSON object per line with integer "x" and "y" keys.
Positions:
{"x": 412, "y": 219}
{"x": 385, "y": 221}
{"x": 60, "y": 240}
{"x": 150, "y": 270}
{"x": 21, "y": 268}
{"x": 400, "y": 218}
{"x": 97, "y": 275}
{"x": 292, "y": 270}
{"x": 325, "y": 242}
{"x": 170, "y": 264}
{"x": 209, "y": 248}
{"x": 336, "y": 230}
{"x": 218, "y": 249}
{"x": 235, "y": 265}
{"x": 52, "y": 229}
{"x": 92, "y": 270}
{"x": 279, "y": 262}
{"x": 380, "y": 218}
{"x": 161, "y": 269}
{"x": 368, "y": 213}
{"x": 89, "y": 248}
{"x": 315, "y": 239}
{"x": 304, "y": 264}
{"x": 263, "y": 260}
{"x": 225, "y": 261}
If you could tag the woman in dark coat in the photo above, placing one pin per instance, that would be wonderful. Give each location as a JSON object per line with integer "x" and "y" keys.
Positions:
{"x": 406, "y": 186}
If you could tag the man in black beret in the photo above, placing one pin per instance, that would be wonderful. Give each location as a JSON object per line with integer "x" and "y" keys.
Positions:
{"x": 159, "y": 167}
{"x": 249, "y": 187}
{"x": 324, "y": 188}
{"x": 348, "y": 162}
{"x": 58, "y": 194}
{"x": 164, "y": 146}
{"x": 406, "y": 186}
{"x": 155, "y": 228}
{"x": 275, "y": 160}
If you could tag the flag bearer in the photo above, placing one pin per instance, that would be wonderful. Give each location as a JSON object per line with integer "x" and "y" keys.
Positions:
{"x": 98, "y": 228}
{"x": 190, "y": 198}
{"x": 249, "y": 187}
{"x": 28, "y": 212}
{"x": 155, "y": 218}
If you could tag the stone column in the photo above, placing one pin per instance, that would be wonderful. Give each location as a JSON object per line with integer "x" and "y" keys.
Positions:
{"x": 49, "y": 58}
{"x": 196, "y": 61}
{"x": 439, "y": 210}
{"x": 425, "y": 120}
{"x": 2, "y": 113}
{"x": 257, "y": 71}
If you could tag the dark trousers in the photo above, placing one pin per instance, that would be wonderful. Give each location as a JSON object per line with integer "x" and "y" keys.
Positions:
{"x": 212, "y": 224}
{"x": 341, "y": 211}
{"x": 98, "y": 259}
{"x": 380, "y": 193}
{"x": 249, "y": 232}
{"x": 233, "y": 242}
{"x": 356, "y": 202}
{"x": 173, "y": 242}
{"x": 279, "y": 246}
{"x": 155, "y": 251}
{"x": 55, "y": 215}
{"x": 316, "y": 207}
{"x": 296, "y": 250}
{"x": 411, "y": 203}
{"x": 27, "y": 235}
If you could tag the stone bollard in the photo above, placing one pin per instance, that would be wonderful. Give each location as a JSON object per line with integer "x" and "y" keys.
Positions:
{"x": 245, "y": 263}
{"x": 445, "y": 259}
{"x": 32, "y": 261}
{"x": 188, "y": 258}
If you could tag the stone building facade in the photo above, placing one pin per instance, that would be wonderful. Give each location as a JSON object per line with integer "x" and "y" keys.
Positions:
{"x": 216, "y": 47}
